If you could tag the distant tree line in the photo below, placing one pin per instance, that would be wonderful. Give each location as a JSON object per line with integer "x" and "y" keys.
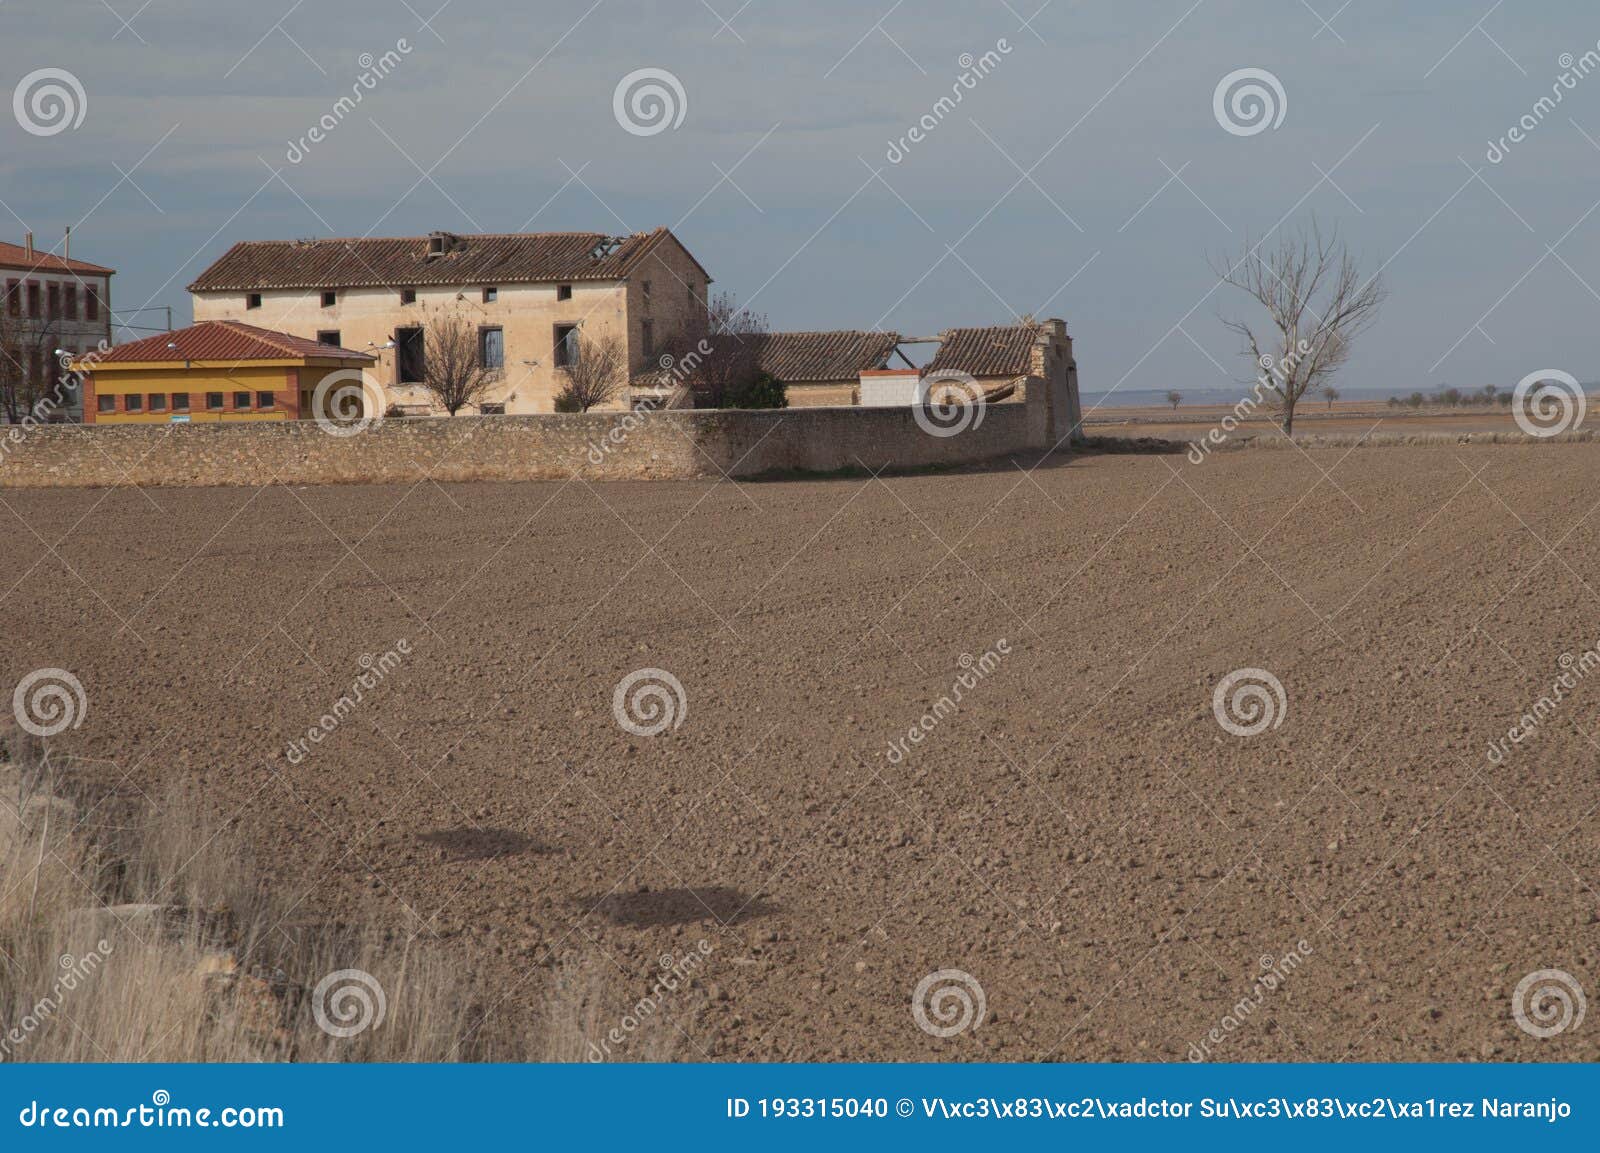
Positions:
{"x": 1487, "y": 396}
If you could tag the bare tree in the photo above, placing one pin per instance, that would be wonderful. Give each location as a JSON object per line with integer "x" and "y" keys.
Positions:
{"x": 1316, "y": 303}
{"x": 1330, "y": 394}
{"x": 598, "y": 372}
{"x": 715, "y": 354}
{"x": 1174, "y": 399}
{"x": 453, "y": 373}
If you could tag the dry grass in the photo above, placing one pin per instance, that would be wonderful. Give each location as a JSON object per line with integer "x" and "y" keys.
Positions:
{"x": 143, "y": 934}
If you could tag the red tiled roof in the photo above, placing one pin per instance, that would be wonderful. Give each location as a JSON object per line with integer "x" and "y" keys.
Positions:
{"x": 811, "y": 357}
{"x": 224, "y": 340}
{"x": 1004, "y": 350}
{"x": 16, "y": 256}
{"x": 365, "y": 262}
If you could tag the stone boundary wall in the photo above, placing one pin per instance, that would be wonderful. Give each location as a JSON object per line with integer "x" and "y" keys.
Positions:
{"x": 597, "y": 446}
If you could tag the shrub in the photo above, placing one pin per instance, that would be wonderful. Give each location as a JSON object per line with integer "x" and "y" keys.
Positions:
{"x": 566, "y": 402}
{"x": 763, "y": 391}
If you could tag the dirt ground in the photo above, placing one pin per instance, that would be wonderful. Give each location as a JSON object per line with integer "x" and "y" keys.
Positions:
{"x": 1343, "y": 418}
{"x": 1078, "y": 834}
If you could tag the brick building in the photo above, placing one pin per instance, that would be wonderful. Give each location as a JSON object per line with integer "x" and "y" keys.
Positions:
{"x": 50, "y": 304}
{"x": 528, "y": 294}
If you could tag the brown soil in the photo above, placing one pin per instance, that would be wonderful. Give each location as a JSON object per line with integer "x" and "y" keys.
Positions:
{"x": 1345, "y": 417}
{"x": 1080, "y": 835}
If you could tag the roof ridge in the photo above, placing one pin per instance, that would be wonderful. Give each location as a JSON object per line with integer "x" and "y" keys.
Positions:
{"x": 426, "y": 235}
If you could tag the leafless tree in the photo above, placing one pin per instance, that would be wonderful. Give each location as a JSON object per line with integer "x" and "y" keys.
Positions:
{"x": 1330, "y": 394}
{"x": 715, "y": 354}
{"x": 1316, "y": 302}
{"x": 597, "y": 374}
{"x": 452, "y": 371}
{"x": 31, "y": 377}
{"x": 1174, "y": 399}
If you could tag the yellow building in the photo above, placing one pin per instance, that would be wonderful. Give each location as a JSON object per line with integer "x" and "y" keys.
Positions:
{"x": 218, "y": 370}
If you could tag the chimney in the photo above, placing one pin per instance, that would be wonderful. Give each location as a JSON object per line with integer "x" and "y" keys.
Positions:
{"x": 66, "y": 245}
{"x": 27, "y": 243}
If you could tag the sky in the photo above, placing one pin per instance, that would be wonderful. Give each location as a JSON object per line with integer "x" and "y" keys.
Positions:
{"x": 1087, "y": 172}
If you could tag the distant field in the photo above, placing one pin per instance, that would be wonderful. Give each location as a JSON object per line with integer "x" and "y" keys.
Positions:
{"x": 1344, "y": 417}
{"x": 1080, "y": 834}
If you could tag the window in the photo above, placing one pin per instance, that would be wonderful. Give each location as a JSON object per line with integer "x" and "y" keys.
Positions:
{"x": 241, "y": 401}
{"x": 35, "y": 367}
{"x": 33, "y": 299}
{"x": 158, "y": 402}
{"x": 408, "y": 296}
{"x": 563, "y": 292}
{"x": 133, "y": 402}
{"x": 265, "y": 399}
{"x": 491, "y": 347}
{"x": 329, "y": 298}
{"x": 106, "y": 403}
{"x": 410, "y": 360}
{"x": 54, "y": 296}
{"x": 92, "y": 302}
{"x": 180, "y": 402}
{"x": 490, "y": 295}
{"x": 252, "y": 300}
{"x": 13, "y": 298}
{"x": 688, "y": 290}
{"x": 70, "y": 301}
{"x": 566, "y": 345}
{"x": 645, "y": 287}
{"x": 492, "y": 409}
{"x": 328, "y": 336}
{"x": 214, "y": 401}
{"x": 647, "y": 338}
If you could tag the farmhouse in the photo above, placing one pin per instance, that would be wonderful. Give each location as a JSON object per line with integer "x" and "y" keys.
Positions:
{"x": 217, "y": 370}
{"x": 528, "y": 294}
{"x": 52, "y": 304}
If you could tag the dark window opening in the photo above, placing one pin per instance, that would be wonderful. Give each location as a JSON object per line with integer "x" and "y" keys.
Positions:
{"x": 158, "y": 402}
{"x": 180, "y": 402}
{"x": 645, "y": 286}
{"x": 647, "y": 335}
{"x": 133, "y": 402}
{"x": 106, "y": 403}
{"x": 13, "y": 298}
{"x": 54, "y": 296}
{"x": 329, "y": 299}
{"x": 492, "y": 347}
{"x": 492, "y": 408}
{"x": 214, "y": 401}
{"x": 265, "y": 399}
{"x": 566, "y": 345}
{"x": 33, "y": 300}
{"x": 490, "y": 295}
{"x": 563, "y": 292}
{"x": 92, "y": 312}
{"x": 70, "y": 301}
{"x": 252, "y": 300}
{"x": 241, "y": 401}
{"x": 410, "y": 358}
{"x": 328, "y": 336}
{"x": 408, "y": 296}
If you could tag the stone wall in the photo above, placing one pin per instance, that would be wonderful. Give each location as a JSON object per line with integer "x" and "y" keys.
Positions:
{"x": 608, "y": 446}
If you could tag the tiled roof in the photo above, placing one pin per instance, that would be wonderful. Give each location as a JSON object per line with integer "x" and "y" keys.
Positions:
{"x": 224, "y": 340}
{"x": 505, "y": 258}
{"x": 810, "y": 357}
{"x": 16, "y": 256}
{"x": 1005, "y": 350}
